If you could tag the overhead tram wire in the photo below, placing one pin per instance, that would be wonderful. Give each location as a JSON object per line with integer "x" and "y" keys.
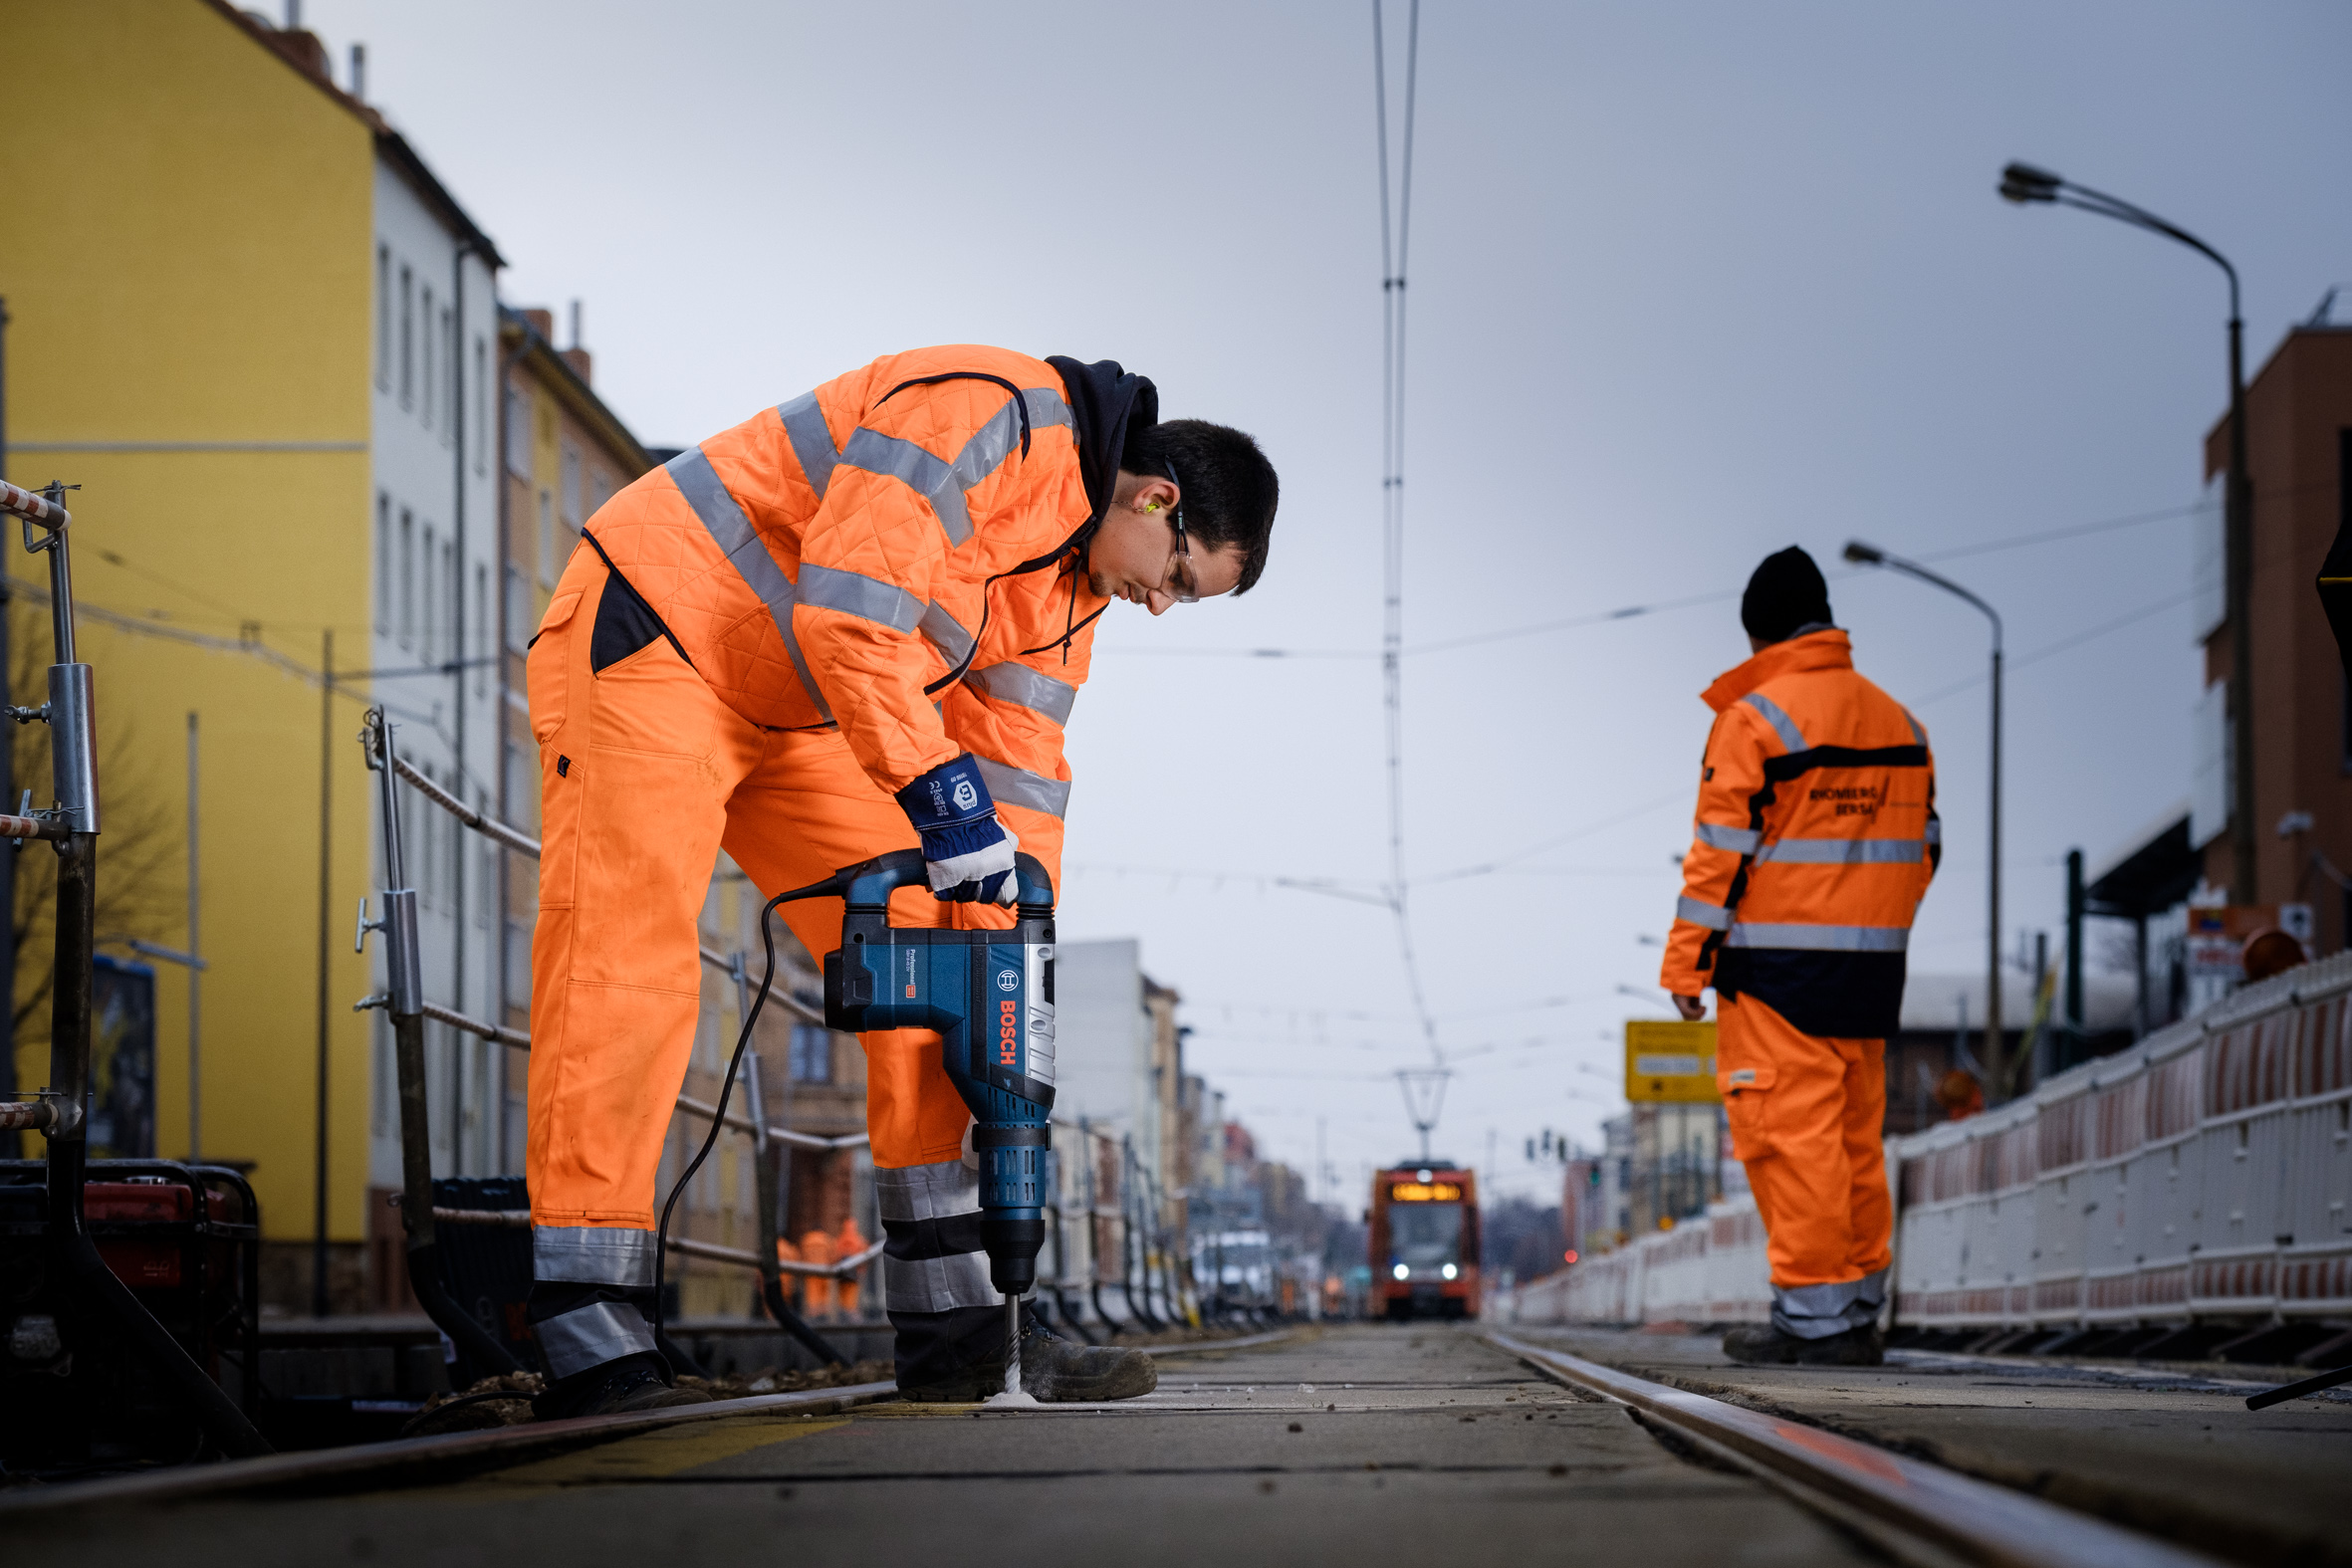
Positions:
{"x": 1392, "y": 480}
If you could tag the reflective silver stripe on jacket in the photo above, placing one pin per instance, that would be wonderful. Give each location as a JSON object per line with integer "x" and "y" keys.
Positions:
{"x": 591, "y": 1335}
{"x": 1790, "y": 736}
{"x": 1935, "y": 830}
{"x": 1917, "y": 733}
{"x": 946, "y": 633}
{"x": 1701, "y": 913}
{"x": 811, "y": 442}
{"x": 1741, "y": 841}
{"x": 855, "y": 593}
{"x": 1845, "y": 851}
{"x": 913, "y": 1193}
{"x": 1820, "y": 939}
{"x": 740, "y": 542}
{"x": 591, "y": 1254}
{"x": 1024, "y": 687}
{"x": 1022, "y": 788}
{"x": 943, "y": 484}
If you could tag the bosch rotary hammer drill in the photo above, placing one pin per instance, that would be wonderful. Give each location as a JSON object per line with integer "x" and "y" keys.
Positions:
{"x": 990, "y": 996}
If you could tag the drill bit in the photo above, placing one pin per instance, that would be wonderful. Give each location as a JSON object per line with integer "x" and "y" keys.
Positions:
{"x": 1012, "y": 1347}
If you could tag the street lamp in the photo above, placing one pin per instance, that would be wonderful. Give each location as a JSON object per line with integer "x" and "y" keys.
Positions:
{"x": 2025, "y": 185}
{"x": 1871, "y": 556}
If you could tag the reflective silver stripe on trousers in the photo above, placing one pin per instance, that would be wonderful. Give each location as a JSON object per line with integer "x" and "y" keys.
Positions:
{"x": 1024, "y": 687}
{"x": 591, "y": 1254}
{"x": 1023, "y": 788}
{"x": 1701, "y": 913}
{"x": 932, "y": 1285}
{"x": 1818, "y": 1311}
{"x": 1741, "y": 841}
{"x": 740, "y": 542}
{"x": 943, "y": 483}
{"x": 1845, "y": 851}
{"x": 855, "y": 593}
{"x": 1820, "y": 939}
{"x": 811, "y": 442}
{"x": 1790, "y": 736}
{"x": 946, "y": 633}
{"x": 591, "y": 1335}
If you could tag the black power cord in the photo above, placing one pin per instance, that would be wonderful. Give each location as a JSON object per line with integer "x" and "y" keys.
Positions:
{"x": 829, "y": 887}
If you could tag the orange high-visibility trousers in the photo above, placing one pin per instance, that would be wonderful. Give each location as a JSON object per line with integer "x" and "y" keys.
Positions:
{"x": 1807, "y": 1115}
{"x": 646, "y": 775}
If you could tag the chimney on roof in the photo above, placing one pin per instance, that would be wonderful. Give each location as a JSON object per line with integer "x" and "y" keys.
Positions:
{"x": 292, "y": 16}
{"x": 359, "y": 72}
{"x": 577, "y": 356}
{"x": 543, "y": 321}
{"x": 305, "y": 50}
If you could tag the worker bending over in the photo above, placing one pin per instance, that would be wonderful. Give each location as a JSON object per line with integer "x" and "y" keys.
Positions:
{"x": 851, "y": 624}
{"x": 1816, "y": 835}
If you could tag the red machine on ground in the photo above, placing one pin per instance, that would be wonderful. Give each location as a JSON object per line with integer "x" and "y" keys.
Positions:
{"x": 1424, "y": 1231}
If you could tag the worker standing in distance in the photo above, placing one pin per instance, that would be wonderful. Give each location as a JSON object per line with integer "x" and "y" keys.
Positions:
{"x": 1816, "y": 838}
{"x": 851, "y": 624}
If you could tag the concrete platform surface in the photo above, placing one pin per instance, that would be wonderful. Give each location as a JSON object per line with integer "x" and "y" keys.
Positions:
{"x": 1352, "y": 1444}
{"x": 2175, "y": 1454}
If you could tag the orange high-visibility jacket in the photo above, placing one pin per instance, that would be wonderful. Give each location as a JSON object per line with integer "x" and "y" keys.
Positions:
{"x": 854, "y": 556}
{"x": 1816, "y": 835}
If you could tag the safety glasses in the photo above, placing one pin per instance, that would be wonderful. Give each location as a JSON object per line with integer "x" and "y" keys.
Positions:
{"x": 1182, "y": 585}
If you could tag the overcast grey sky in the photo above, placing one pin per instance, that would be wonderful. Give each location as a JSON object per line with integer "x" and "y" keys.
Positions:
{"x": 1689, "y": 282}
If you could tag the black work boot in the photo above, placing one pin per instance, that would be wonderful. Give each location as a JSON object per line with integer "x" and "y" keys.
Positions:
{"x": 1762, "y": 1345}
{"x": 1856, "y": 1347}
{"x": 1053, "y": 1372}
{"x": 617, "y": 1388}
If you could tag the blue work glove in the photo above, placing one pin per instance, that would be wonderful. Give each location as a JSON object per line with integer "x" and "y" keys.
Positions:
{"x": 966, "y": 852}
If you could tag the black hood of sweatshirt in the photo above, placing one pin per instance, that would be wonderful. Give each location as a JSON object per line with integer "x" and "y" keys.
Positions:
{"x": 1105, "y": 400}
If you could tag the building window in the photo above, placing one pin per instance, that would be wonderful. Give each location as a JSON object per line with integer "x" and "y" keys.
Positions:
{"x": 383, "y": 562}
{"x": 455, "y": 375}
{"x": 431, "y": 381}
{"x": 481, "y": 631}
{"x": 518, "y": 435}
{"x": 518, "y": 610}
{"x": 430, "y": 643}
{"x": 407, "y": 337}
{"x": 453, "y": 614}
{"x": 572, "y": 484}
{"x": 481, "y": 407}
{"x": 600, "y": 490}
{"x": 811, "y": 1053}
{"x": 383, "y": 318}
{"x": 407, "y": 576}
{"x": 547, "y": 539}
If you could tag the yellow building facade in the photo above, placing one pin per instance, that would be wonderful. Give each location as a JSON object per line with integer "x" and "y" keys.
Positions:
{"x": 218, "y": 330}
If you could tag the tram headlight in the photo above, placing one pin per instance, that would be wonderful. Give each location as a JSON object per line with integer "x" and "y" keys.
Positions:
{"x": 1402, "y": 1271}
{"x": 1449, "y": 1270}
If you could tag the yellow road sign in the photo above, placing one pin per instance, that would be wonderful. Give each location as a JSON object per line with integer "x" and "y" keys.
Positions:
{"x": 1668, "y": 1062}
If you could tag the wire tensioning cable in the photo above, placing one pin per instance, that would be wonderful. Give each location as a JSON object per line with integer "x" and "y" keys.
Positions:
{"x": 1396, "y": 229}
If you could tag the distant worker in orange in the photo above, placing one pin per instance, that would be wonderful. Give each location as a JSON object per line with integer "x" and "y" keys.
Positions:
{"x": 816, "y": 1247}
{"x": 1961, "y": 1095}
{"x": 1816, "y": 838}
{"x": 848, "y": 1241}
{"x": 785, "y": 1252}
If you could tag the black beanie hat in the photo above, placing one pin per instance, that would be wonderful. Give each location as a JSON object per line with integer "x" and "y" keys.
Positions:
{"x": 1786, "y": 592}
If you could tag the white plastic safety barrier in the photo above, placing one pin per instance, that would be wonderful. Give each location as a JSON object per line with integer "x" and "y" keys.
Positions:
{"x": 2204, "y": 1173}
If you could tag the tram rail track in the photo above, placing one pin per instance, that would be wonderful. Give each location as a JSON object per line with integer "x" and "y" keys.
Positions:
{"x": 1921, "y": 1512}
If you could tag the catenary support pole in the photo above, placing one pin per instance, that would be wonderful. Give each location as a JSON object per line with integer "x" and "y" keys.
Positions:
{"x": 195, "y": 967}
{"x": 319, "y": 1291}
{"x": 11, "y": 1142}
